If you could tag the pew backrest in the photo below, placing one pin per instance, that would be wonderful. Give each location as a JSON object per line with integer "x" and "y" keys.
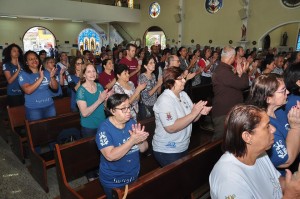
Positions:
{"x": 177, "y": 180}
{"x": 44, "y": 131}
{"x": 16, "y": 117}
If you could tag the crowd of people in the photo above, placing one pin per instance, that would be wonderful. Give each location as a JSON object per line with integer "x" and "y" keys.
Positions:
{"x": 125, "y": 85}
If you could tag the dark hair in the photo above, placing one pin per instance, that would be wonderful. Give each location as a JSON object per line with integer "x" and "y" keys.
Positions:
{"x": 179, "y": 50}
{"x": 85, "y": 52}
{"x": 291, "y": 76}
{"x": 263, "y": 87}
{"x": 267, "y": 61}
{"x": 119, "y": 69}
{"x": 170, "y": 75}
{"x": 294, "y": 56}
{"x": 237, "y": 49}
{"x": 7, "y": 51}
{"x": 72, "y": 68}
{"x": 42, "y": 52}
{"x": 145, "y": 63}
{"x": 113, "y": 101}
{"x": 130, "y": 45}
{"x": 104, "y": 62}
{"x": 26, "y": 67}
{"x": 240, "y": 118}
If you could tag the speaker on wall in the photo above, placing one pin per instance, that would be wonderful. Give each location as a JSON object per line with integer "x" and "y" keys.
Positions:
{"x": 178, "y": 18}
{"x": 243, "y": 13}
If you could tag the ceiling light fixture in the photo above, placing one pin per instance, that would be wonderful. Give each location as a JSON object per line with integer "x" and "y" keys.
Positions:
{"x": 46, "y": 19}
{"x": 77, "y": 21}
{"x": 11, "y": 17}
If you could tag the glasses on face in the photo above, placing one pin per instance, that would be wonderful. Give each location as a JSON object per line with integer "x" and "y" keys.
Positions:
{"x": 283, "y": 91}
{"x": 176, "y": 60}
{"x": 125, "y": 109}
{"x": 78, "y": 63}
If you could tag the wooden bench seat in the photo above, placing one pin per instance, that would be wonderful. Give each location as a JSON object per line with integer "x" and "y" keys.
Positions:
{"x": 177, "y": 180}
{"x": 73, "y": 161}
{"x": 17, "y": 123}
{"x": 44, "y": 132}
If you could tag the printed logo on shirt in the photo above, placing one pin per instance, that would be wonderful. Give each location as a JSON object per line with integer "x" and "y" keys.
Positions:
{"x": 4, "y": 67}
{"x": 103, "y": 139}
{"x": 21, "y": 78}
{"x": 230, "y": 197}
{"x": 280, "y": 149}
{"x": 171, "y": 145}
{"x": 287, "y": 126}
{"x": 169, "y": 116}
{"x": 276, "y": 188}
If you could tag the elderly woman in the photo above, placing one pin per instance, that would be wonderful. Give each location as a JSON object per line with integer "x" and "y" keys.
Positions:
{"x": 244, "y": 170}
{"x": 174, "y": 114}
{"x": 269, "y": 92}
{"x": 36, "y": 83}
{"x": 120, "y": 140}
{"x": 124, "y": 86}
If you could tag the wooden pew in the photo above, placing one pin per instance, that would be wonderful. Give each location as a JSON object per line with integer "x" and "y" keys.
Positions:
{"x": 41, "y": 133}
{"x": 70, "y": 158}
{"x": 17, "y": 124}
{"x": 18, "y": 135}
{"x": 73, "y": 161}
{"x": 177, "y": 180}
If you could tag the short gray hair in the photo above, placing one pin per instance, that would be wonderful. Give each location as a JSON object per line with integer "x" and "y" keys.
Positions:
{"x": 228, "y": 51}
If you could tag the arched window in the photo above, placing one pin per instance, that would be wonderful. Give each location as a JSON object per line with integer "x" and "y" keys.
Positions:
{"x": 39, "y": 38}
{"x": 155, "y": 36}
{"x": 89, "y": 39}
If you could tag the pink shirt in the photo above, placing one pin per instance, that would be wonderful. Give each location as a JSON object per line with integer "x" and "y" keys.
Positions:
{"x": 105, "y": 78}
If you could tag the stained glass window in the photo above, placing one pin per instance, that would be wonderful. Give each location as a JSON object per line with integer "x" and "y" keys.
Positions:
{"x": 89, "y": 39}
{"x": 154, "y": 10}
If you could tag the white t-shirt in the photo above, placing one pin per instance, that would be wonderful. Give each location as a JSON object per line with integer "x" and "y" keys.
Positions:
{"x": 168, "y": 108}
{"x": 231, "y": 178}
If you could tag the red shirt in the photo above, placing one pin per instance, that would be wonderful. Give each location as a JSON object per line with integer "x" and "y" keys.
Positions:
{"x": 105, "y": 78}
{"x": 132, "y": 65}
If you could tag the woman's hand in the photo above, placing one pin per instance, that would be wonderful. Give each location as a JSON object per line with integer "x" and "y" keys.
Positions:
{"x": 292, "y": 185}
{"x": 159, "y": 81}
{"x": 294, "y": 117}
{"x": 53, "y": 72}
{"x": 103, "y": 95}
{"x": 205, "y": 110}
{"x": 198, "y": 107}
{"x": 138, "y": 134}
{"x": 141, "y": 87}
{"x": 41, "y": 72}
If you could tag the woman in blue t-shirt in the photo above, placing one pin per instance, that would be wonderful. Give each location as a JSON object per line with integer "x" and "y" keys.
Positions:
{"x": 120, "y": 140}
{"x": 269, "y": 92}
{"x": 75, "y": 71}
{"x": 12, "y": 65}
{"x": 90, "y": 98}
{"x": 36, "y": 83}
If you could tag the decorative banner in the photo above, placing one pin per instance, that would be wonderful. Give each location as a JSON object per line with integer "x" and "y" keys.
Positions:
{"x": 213, "y": 6}
{"x": 154, "y": 10}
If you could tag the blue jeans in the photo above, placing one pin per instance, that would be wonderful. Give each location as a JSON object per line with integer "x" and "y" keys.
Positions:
{"x": 88, "y": 132}
{"x": 40, "y": 113}
{"x": 167, "y": 158}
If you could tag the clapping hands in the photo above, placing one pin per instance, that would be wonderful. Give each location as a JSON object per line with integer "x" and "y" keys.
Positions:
{"x": 138, "y": 134}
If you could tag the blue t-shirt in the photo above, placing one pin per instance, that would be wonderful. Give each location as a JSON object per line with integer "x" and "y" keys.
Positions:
{"x": 59, "y": 91}
{"x": 278, "y": 152}
{"x": 42, "y": 96}
{"x": 93, "y": 120}
{"x": 125, "y": 170}
{"x": 75, "y": 79}
{"x": 14, "y": 87}
{"x": 291, "y": 101}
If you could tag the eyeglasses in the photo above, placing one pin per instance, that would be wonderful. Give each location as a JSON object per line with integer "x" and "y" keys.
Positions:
{"x": 177, "y": 60}
{"x": 125, "y": 109}
{"x": 283, "y": 91}
{"x": 78, "y": 63}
